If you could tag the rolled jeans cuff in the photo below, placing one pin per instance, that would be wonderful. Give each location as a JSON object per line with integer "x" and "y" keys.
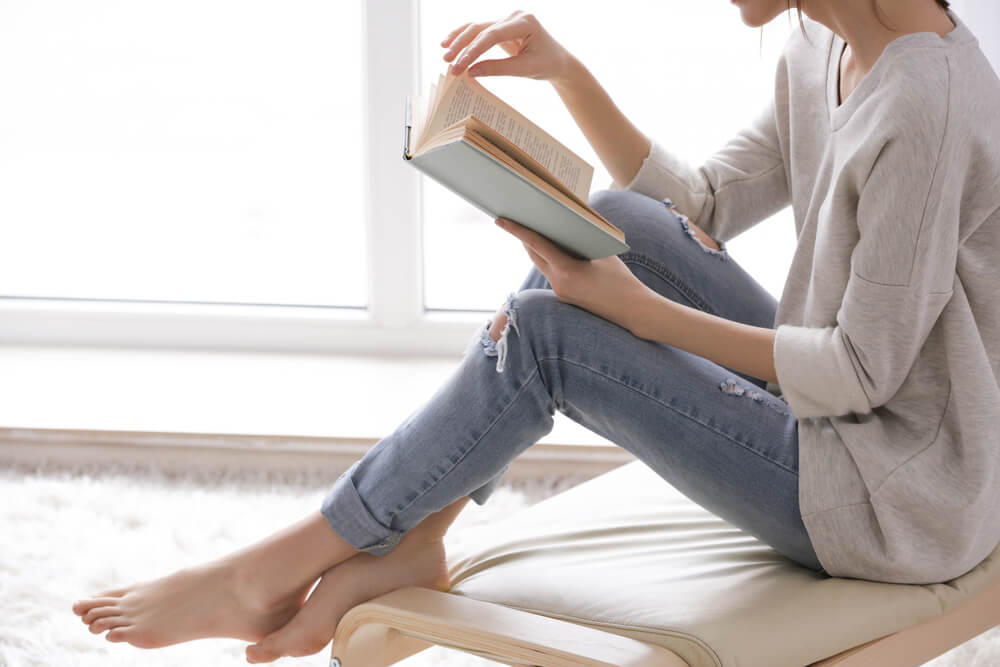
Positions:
{"x": 350, "y": 518}
{"x": 482, "y": 494}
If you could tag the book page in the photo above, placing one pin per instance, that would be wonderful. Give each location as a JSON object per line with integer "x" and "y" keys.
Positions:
{"x": 462, "y": 96}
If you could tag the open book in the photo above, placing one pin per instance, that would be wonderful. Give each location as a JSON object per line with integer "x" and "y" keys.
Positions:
{"x": 476, "y": 145}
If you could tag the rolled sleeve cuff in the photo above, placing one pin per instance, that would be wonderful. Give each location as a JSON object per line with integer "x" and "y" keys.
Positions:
{"x": 664, "y": 175}
{"x": 815, "y": 372}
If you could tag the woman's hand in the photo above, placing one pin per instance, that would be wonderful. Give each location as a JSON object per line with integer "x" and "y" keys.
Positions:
{"x": 603, "y": 286}
{"x": 534, "y": 53}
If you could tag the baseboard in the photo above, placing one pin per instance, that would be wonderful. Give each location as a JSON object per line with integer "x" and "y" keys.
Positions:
{"x": 177, "y": 452}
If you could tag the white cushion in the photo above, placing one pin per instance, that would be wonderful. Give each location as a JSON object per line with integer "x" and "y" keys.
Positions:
{"x": 628, "y": 553}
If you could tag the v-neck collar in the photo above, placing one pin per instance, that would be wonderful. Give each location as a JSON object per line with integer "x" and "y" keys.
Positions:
{"x": 839, "y": 114}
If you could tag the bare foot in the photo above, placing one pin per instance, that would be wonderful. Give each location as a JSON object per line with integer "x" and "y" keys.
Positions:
{"x": 205, "y": 601}
{"x": 245, "y": 595}
{"x": 418, "y": 560}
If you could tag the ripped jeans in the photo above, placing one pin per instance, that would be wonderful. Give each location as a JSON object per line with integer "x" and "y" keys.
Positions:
{"x": 714, "y": 434}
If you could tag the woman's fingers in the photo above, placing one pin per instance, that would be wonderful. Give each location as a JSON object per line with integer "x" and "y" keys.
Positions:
{"x": 514, "y": 66}
{"x": 468, "y": 33}
{"x": 453, "y": 34}
{"x": 485, "y": 40}
{"x": 534, "y": 242}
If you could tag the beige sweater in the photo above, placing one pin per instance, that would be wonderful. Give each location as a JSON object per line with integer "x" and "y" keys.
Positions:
{"x": 887, "y": 347}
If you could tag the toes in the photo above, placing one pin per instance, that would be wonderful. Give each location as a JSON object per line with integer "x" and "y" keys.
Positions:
{"x": 100, "y": 612}
{"x": 310, "y": 647}
{"x": 118, "y": 634}
{"x": 280, "y": 644}
{"x": 258, "y": 653}
{"x": 107, "y": 623}
{"x": 83, "y": 606}
{"x": 273, "y": 646}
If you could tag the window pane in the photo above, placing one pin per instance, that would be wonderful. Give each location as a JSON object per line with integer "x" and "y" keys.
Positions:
{"x": 194, "y": 150}
{"x": 690, "y": 74}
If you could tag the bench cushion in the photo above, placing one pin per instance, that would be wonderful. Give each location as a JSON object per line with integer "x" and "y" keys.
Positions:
{"x": 628, "y": 553}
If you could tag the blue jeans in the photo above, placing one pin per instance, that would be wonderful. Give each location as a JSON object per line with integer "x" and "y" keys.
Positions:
{"x": 714, "y": 434}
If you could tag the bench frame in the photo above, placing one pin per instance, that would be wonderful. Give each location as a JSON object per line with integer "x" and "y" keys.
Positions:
{"x": 394, "y": 626}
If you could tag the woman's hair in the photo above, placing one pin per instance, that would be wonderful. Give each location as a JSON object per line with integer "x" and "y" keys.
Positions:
{"x": 943, "y": 4}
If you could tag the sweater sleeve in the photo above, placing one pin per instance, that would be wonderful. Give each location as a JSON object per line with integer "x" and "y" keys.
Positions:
{"x": 903, "y": 268}
{"x": 737, "y": 187}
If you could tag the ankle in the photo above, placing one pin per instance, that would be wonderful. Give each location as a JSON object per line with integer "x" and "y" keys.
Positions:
{"x": 252, "y": 587}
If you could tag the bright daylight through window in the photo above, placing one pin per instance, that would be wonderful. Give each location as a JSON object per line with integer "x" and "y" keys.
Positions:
{"x": 200, "y": 151}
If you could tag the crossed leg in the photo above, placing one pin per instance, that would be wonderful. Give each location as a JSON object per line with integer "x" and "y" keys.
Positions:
{"x": 418, "y": 560}
{"x": 244, "y": 595}
{"x": 258, "y": 594}
{"x": 254, "y": 592}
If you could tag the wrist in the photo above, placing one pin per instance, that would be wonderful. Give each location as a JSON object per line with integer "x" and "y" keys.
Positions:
{"x": 569, "y": 75}
{"x": 641, "y": 309}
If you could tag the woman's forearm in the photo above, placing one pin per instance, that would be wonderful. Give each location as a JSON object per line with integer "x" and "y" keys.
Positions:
{"x": 620, "y": 146}
{"x": 741, "y": 347}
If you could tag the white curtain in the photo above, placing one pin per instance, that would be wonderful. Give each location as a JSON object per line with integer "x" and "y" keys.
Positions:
{"x": 983, "y": 18}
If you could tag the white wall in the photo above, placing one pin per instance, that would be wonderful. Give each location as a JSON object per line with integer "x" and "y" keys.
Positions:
{"x": 983, "y": 18}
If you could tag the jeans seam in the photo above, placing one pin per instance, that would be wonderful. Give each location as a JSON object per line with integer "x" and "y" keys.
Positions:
{"x": 489, "y": 428}
{"x": 667, "y": 276}
{"x": 670, "y": 407}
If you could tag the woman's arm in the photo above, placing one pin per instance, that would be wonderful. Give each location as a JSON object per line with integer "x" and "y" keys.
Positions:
{"x": 741, "y": 347}
{"x": 607, "y": 288}
{"x": 617, "y": 142}
{"x": 535, "y": 54}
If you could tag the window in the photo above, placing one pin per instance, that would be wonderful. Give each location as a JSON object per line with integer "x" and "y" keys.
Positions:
{"x": 200, "y": 151}
{"x": 229, "y": 174}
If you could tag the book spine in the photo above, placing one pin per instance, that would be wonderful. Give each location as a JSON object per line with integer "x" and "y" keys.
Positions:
{"x": 407, "y": 127}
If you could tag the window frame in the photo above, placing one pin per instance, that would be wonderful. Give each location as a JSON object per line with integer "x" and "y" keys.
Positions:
{"x": 395, "y": 321}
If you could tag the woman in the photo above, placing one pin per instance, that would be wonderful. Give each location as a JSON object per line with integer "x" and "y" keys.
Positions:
{"x": 881, "y": 374}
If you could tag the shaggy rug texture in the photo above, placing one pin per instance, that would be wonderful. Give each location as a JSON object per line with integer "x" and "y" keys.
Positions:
{"x": 65, "y": 534}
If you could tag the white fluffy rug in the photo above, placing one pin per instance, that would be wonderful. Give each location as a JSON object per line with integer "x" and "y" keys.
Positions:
{"x": 67, "y": 534}
{"x": 64, "y": 535}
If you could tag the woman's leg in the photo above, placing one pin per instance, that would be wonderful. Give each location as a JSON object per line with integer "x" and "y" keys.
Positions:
{"x": 714, "y": 434}
{"x": 667, "y": 255}
{"x": 701, "y": 426}
{"x": 733, "y": 451}
{"x": 418, "y": 560}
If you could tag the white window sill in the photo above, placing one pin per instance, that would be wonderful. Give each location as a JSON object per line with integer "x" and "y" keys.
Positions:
{"x": 130, "y": 404}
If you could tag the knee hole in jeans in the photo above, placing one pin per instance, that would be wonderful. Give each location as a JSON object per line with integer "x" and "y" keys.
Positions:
{"x": 494, "y": 344}
{"x": 497, "y": 327}
{"x": 707, "y": 244}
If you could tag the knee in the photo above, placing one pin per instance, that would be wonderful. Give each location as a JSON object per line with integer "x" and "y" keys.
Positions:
{"x": 638, "y": 216}
{"x": 499, "y": 321}
{"x": 538, "y": 305}
{"x": 653, "y": 227}
{"x": 612, "y": 203}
